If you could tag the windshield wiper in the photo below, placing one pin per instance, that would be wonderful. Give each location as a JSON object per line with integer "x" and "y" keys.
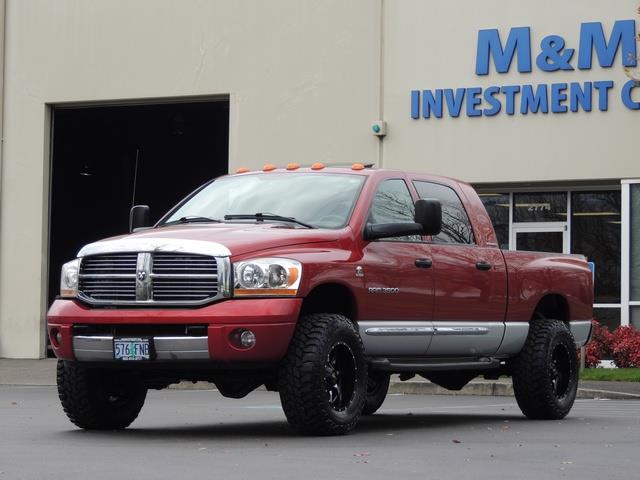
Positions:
{"x": 192, "y": 219}
{"x": 266, "y": 216}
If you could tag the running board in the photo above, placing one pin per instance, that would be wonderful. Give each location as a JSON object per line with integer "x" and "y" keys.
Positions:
{"x": 416, "y": 365}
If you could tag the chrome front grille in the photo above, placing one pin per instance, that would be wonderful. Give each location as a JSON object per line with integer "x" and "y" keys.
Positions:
{"x": 109, "y": 264}
{"x": 152, "y": 278}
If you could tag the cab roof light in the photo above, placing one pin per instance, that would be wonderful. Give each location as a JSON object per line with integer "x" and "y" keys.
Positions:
{"x": 242, "y": 170}
{"x": 317, "y": 166}
{"x": 292, "y": 166}
{"x": 357, "y": 166}
{"x": 269, "y": 167}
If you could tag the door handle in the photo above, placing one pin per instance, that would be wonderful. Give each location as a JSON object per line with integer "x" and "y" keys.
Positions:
{"x": 424, "y": 263}
{"x": 482, "y": 265}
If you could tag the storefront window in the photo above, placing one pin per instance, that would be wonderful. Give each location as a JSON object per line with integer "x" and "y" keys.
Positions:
{"x": 497, "y": 205}
{"x": 634, "y": 242}
{"x": 540, "y": 207}
{"x": 609, "y": 317}
{"x": 634, "y": 318}
{"x": 595, "y": 233}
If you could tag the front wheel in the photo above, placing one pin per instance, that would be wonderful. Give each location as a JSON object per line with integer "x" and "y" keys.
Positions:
{"x": 545, "y": 374}
{"x": 99, "y": 399}
{"x": 323, "y": 379}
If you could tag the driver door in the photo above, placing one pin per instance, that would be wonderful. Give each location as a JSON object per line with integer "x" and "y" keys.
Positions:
{"x": 399, "y": 286}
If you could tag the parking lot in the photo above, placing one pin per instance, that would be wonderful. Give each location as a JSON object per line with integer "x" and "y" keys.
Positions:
{"x": 198, "y": 434}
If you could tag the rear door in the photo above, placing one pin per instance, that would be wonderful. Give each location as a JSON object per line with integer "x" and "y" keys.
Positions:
{"x": 396, "y": 317}
{"x": 470, "y": 282}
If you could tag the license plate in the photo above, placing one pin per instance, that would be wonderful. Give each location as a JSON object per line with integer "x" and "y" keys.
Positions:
{"x": 128, "y": 349}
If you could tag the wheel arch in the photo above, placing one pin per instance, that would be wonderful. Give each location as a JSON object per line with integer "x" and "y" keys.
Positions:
{"x": 551, "y": 305}
{"x": 331, "y": 298}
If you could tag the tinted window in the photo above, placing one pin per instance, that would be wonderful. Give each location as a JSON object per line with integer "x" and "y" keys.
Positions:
{"x": 540, "y": 207}
{"x": 393, "y": 204}
{"x": 456, "y": 227}
{"x": 497, "y": 205}
{"x": 596, "y": 234}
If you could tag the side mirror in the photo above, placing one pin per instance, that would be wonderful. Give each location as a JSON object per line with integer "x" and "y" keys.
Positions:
{"x": 139, "y": 218}
{"x": 429, "y": 215}
{"x": 373, "y": 231}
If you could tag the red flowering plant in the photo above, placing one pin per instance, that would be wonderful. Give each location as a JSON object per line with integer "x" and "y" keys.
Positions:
{"x": 625, "y": 347}
{"x": 599, "y": 346}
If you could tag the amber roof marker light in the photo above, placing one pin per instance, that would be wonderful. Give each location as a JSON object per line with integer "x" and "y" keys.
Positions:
{"x": 317, "y": 166}
{"x": 357, "y": 166}
{"x": 242, "y": 170}
{"x": 292, "y": 166}
{"x": 269, "y": 167}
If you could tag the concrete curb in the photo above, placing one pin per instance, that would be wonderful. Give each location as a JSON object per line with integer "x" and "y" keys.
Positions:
{"x": 497, "y": 388}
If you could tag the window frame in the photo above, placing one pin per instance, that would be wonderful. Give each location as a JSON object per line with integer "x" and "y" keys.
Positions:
{"x": 430, "y": 238}
{"x": 373, "y": 199}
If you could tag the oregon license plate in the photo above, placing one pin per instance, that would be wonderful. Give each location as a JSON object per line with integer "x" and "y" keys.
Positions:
{"x": 128, "y": 349}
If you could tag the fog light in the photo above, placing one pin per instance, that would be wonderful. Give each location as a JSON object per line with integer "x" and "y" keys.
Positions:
{"x": 243, "y": 338}
{"x": 247, "y": 338}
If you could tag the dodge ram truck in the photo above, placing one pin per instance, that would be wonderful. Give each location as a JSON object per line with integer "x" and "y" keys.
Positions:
{"x": 318, "y": 283}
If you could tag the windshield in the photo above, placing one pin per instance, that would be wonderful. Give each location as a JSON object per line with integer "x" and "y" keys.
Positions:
{"x": 323, "y": 200}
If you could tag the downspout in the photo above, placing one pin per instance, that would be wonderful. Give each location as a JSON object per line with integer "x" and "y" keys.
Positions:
{"x": 380, "y": 158}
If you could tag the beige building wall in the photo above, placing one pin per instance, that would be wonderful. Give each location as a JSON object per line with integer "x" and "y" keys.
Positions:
{"x": 305, "y": 79}
{"x": 431, "y": 45}
{"x": 302, "y": 77}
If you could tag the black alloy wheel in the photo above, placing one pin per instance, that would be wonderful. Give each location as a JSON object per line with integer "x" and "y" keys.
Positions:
{"x": 560, "y": 370}
{"x": 340, "y": 376}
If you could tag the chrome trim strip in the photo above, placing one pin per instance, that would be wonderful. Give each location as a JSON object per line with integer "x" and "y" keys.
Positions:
{"x": 461, "y": 330}
{"x": 92, "y": 348}
{"x": 224, "y": 279}
{"x": 155, "y": 244}
{"x": 395, "y": 331}
{"x": 150, "y": 303}
{"x": 394, "y": 337}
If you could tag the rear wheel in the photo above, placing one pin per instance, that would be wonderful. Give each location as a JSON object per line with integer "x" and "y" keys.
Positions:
{"x": 377, "y": 388}
{"x": 99, "y": 399}
{"x": 323, "y": 378}
{"x": 545, "y": 374}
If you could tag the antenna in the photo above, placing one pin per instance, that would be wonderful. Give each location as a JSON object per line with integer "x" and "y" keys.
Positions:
{"x": 135, "y": 178}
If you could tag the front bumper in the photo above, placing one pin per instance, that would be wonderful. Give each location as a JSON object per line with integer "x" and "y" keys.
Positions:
{"x": 272, "y": 320}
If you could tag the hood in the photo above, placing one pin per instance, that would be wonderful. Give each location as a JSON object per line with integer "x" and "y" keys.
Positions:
{"x": 217, "y": 239}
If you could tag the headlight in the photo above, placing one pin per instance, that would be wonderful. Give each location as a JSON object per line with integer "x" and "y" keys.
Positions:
{"x": 267, "y": 276}
{"x": 69, "y": 279}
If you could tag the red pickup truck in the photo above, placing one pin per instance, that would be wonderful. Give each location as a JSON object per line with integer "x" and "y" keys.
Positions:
{"x": 318, "y": 283}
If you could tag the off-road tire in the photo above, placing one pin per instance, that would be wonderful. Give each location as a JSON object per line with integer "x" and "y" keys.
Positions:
{"x": 304, "y": 379}
{"x": 541, "y": 392}
{"x": 99, "y": 400}
{"x": 377, "y": 388}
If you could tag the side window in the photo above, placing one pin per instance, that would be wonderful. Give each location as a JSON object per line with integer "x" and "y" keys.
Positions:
{"x": 393, "y": 204}
{"x": 456, "y": 227}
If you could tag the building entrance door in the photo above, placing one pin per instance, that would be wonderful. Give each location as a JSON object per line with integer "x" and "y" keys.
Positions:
{"x": 543, "y": 237}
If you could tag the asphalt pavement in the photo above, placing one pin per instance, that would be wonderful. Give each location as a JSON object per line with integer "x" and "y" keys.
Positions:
{"x": 200, "y": 434}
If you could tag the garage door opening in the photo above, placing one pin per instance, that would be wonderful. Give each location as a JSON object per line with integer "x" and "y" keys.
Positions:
{"x": 100, "y": 153}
